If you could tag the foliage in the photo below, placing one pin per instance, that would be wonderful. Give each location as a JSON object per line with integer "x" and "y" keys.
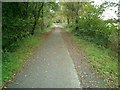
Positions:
{"x": 86, "y": 22}
{"x": 22, "y": 26}
{"x": 105, "y": 65}
{"x": 88, "y": 26}
{"x": 20, "y": 20}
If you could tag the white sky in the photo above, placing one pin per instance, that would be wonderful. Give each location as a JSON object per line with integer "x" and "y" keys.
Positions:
{"x": 109, "y": 12}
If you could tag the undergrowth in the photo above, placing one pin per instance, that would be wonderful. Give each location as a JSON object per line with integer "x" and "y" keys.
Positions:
{"x": 101, "y": 61}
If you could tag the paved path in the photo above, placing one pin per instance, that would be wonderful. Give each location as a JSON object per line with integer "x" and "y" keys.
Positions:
{"x": 50, "y": 67}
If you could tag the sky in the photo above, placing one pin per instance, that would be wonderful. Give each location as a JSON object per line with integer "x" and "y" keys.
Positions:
{"x": 109, "y": 12}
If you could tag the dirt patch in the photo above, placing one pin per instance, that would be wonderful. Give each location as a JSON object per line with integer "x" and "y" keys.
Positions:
{"x": 87, "y": 76}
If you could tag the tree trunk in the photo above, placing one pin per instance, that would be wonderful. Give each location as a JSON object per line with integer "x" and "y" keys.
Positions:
{"x": 36, "y": 16}
{"x": 34, "y": 27}
{"x": 42, "y": 23}
{"x": 68, "y": 21}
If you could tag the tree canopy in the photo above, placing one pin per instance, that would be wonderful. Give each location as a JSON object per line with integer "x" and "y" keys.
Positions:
{"x": 85, "y": 20}
{"x": 22, "y": 19}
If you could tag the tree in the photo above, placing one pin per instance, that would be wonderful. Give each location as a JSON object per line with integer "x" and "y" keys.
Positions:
{"x": 38, "y": 8}
{"x": 85, "y": 20}
{"x": 21, "y": 19}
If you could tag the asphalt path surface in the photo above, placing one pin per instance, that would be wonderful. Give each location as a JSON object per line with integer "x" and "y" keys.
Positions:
{"x": 50, "y": 67}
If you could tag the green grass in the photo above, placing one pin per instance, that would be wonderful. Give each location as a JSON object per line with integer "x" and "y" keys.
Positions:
{"x": 100, "y": 60}
{"x": 13, "y": 61}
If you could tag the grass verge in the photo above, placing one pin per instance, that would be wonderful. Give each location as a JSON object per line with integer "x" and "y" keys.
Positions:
{"x": 100, "y": 60}
{"x": 12, "y": 62}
